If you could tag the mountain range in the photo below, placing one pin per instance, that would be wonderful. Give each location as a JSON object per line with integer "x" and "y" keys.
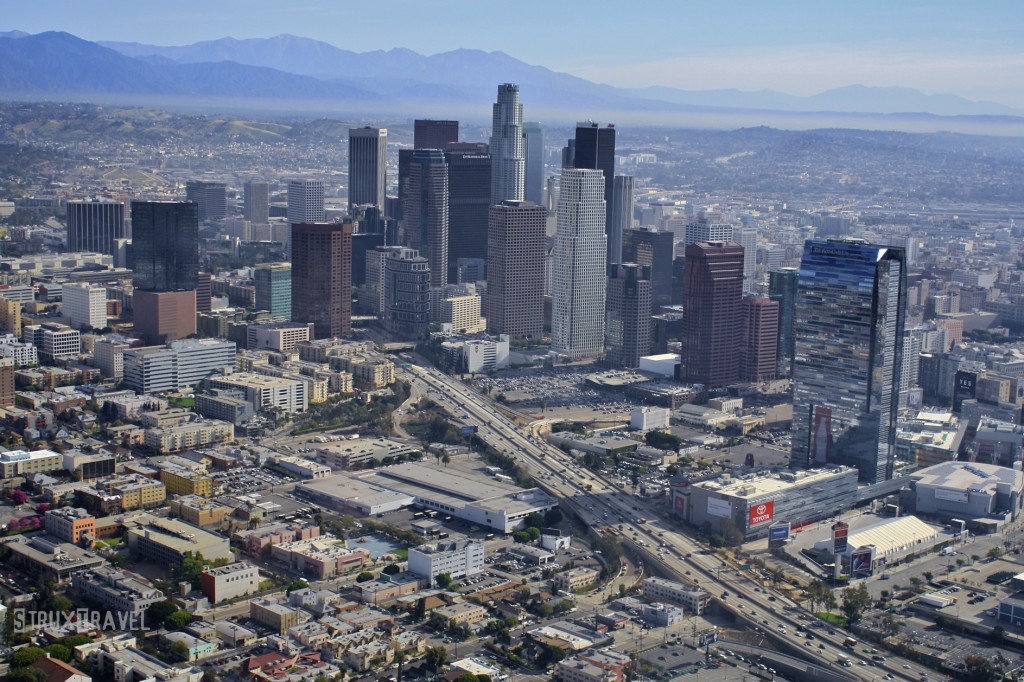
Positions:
{"x": 286, "y": 70}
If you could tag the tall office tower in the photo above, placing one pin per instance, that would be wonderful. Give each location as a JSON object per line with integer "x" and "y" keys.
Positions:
{"x": 164, "y": 316}
{"x": 508, "y": 148}
{"x": 85, "y": 305}
{"x": 782, "y": 287}
{"x": 367, "y": 164}
{"x": 707, "y": 227}
{"x": 627, "y": 327}
{"x": 431, "y": 134}
{"x": 514, "y": 300}
{"x": 10, "y": 316}
{"x": 581, "y": 249}
{"x": 211, "y": 197}
{"x": 569, "y": 154}
{"x": 621, "y": 216}
{"x": 94, "y": 225}
{"x": 678, "y": 280}
{"x": 274, "y": 289}
{"x": 7, "y": 395}
{"x": 848, "y": 331}
{"x": 425, "y": 211}
{"x": 362, "y": 243}
{"x": 256, "y": 202}
{"x": 533, "y": 139}
{"x": 747, "y": 238}
{"x": 653, "y": 248}
{"x": 713, "y": 322}
{"x": 204, "y": 292}
{"x": 911, "y": 371}
{"x": 305, "y": 201}
{"x": 760, "y": 332}
{"x": 595, "y": 148}
{"x": 406, "y": 300}
{"x": 322, "y": 277}
{"x": 371, "y": 296}
{"x": 469, "y": 197}
{"x": 551, "y": 194}
{"x": 165, "y": 245}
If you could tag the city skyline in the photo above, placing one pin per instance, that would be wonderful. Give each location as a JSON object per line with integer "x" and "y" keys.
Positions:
{"x": 940, "y": 47}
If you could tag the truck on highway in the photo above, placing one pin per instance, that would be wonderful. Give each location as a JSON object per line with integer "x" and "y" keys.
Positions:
{"x": 849, "y": 642}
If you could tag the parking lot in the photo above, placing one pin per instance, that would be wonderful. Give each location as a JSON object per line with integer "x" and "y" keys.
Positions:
{"x": 241, "y": 481}
{"x": 558, "y": 390}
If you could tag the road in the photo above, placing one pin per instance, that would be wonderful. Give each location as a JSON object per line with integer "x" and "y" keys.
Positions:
{"x": 606, "y": 508}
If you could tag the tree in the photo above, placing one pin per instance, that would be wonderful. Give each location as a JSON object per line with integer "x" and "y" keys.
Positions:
{"x": 521, "y": 536}
{"x": 979, "y": 669}
{"x": 535, "y": 519}
{"x": 855, "y": 601}
{"x": 364, "y": 577}
{"x": 891, "y": 625}
{"x": 436, "y": 657}
{"x": 76, "y": 640}
{"x": 534, "y": 533}
{"x": 443, "y": 580}
{"x": 553, "y": 516}
{"x": 391, "y": 569}
{"x": 157, "y": 613}
{"x": 177, "y": 620}
{"x": 22, "y": 658}
{"x": 26, "y": 675}
{"x": 928, "y": 575}
{"x": 61, "y": 651}
{"x": 445, "y": 459}
{"x": 995, "y": 553}
{"x": 19, "y": 496}
{"x": 179, "y": 651}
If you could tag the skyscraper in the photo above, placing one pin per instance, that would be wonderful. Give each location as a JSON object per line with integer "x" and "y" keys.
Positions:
{"x": 760, "y": 331}
{"x": 322, "y": 277}
{"x": 425, "y": 211}
{"x": 508, "y": 148}
{"x": 653, "y": 248}
{"x": 305, "y": 201}
{"x": 211, "y": 198}
{"x": 621, "y": 217}
{"x": 595, "y": 148}
{"x": 533, "y": 136}
{"x": 746, "y": 237}
{"x": 782, "y": 287}
{"x": 406, "y": 299}
{"x": 627, "y": 329}
{"x": 514, "y": 301}
{"x": 94, "y": 225}
{"x": 581, "y": 247}
{"x": 431, "y": 134}
{"x": 256, "y": 202}
{"x": 469, "y": 197}
{"x": 848, "y": 336}
{"x": 367, "y": 164}
{"x": 707, "y": 227}
{"x": 274, "y": 289}
{"x": 165, "y": 245}
{"x": 712, "y": 323}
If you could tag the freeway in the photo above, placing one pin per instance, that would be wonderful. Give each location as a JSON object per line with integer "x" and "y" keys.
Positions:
{"x": 607, "y": 509}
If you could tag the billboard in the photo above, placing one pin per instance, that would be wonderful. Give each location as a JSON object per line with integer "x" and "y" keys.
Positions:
{"x": 951, "y": 495}
{"x": 861, "y": 560}
{"x": 762, "y": 512}
{"x": 708, "y": 638}
{"x": 719, "y": 507}
{"x": 778, "y": 534}
{"x": 840, "y": 533}
{"x": 964, "y": 388}
{"x": 821, "y": 434}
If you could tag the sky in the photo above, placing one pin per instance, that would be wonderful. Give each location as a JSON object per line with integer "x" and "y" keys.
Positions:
{"x": 971, "y": 49}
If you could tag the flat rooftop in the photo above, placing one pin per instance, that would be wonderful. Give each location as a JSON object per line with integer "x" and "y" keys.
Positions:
{"x": 967, "y": 475}
{"x": 751, "y": 486}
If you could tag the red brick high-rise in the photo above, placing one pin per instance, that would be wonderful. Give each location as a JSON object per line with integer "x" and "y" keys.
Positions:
{"x": 713, "y": 320}
{"x": 760, "y": 338}
{"x": 322, "y": 277}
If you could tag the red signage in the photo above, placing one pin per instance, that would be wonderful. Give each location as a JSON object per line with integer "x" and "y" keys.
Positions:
{"x": 761, "y": 513}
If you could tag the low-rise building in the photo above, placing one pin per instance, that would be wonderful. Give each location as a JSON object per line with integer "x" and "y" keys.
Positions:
{"x": 968, "y": 490}
{"x": 181, "y": 481}
{"x": 70, "y": 524}
{"x": 50, "y": 559}
{"x": 693, "y": 599}
{"x": 388, "y": 588}
{"x": 167, "y": 540}
{"x": 650, "y": 418}
{"x": 457, "y": 559}
{"x": 197, "y": 648}
{"x": 255, "y": 541}
{"x": 594, "y": 666}
{"x": 21, "y": 463}
{"x": 115, "y": 590}
{"x": 303, "y": 468}
{"x": 228, "y": 582}
{"x": 575, "y": 579}
{"x": 462, "y": 612}
{"x": 662, "y": 615}
{"x": 266, "y": 393}
{"x": 200, "y": 511}
{"x": 320, "y": 558}
{"x": 193, "y": 435}
{"x": 277, "y": 617}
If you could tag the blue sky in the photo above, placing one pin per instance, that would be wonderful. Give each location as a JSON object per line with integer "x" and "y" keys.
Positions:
{"x": 971, "y": 49}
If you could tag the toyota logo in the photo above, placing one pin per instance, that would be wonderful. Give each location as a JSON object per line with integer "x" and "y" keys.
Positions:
{"x": 761, "y": 509}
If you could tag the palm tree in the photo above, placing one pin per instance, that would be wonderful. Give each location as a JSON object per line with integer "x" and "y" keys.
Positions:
{"x": 445, "y": 458}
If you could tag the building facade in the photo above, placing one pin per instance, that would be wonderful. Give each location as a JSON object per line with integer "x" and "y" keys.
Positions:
{"x": 367, "y": 164}
{"x": 210, "y": 197}
{"x": 425, "y": 211}
{"x": 595, "y": 149}
{"x": 508, "y": 148}
{"x": 782, "y": 288}
{"x": 627, "y": 328}
{"x": 514, "y": 300}
{"x": 305, "y": 201}
{"x": 85, "y": 305}
{"x": 457, "y": 559}
{"x": 273, "y": 282}
{"x": 712, "y": 322}
{"x": 322, "y": 277}
{"x": 760, "y": 335}
{"x": 94, "y": 225}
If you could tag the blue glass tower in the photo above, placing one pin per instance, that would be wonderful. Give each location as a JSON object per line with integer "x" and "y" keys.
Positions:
{"x": 848, "y": 331}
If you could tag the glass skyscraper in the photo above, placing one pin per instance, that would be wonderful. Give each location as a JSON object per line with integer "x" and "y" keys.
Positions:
{"x": 848, "y": 331}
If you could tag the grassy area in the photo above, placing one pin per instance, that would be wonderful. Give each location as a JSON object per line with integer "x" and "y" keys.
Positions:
{"x": 187, "y": 403}
{"x": 109, "y": 542}
{"x": 401, "y": 552}
{"x": 836, "y": 620}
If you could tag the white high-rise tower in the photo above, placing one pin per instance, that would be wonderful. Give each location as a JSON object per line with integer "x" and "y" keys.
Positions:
{"x": 508, "y": 148}
{"x": 577, "y": 316}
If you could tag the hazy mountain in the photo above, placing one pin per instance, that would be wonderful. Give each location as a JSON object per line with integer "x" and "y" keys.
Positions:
{"x": 13, "y": 34}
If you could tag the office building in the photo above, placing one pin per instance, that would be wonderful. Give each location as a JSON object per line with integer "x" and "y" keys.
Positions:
{"x": 425, "y": 211}
{"x": 182, "y": 364}
{"x": 457, "y": 559}
{"x": 508, "y": 148}
{"x": 273, "y": 283}
{"x": 7, "y": 366}
{"x": 239, "y": 579}
{"x": 469, "y": 198}
{"x": 713, "y": 322}
{"x": 10, "y": 316}
{"x": 204, "y": 292}
{"x": 165, "y": 245}
{"x": 514, "y": 300}
{"x": 85, "y": 305}
{"x": 627, "y": 328}
{"x": 266, "y": 393}
{"x": 210, "y": 198}
{"x": 280, "y": 337}
{"x": 621, "y": 216}
{"x": 652, "y": 248}
{"x": 94, "y": 225}
{"x": 747, "y": 238}
{"x": 432, "y": 134}
{"x": 322, "y": 277}
{"x": 53, "y": 341}
{"x": 256, "y": 202}
{"x": 362, "y": 244}
{"x": 578, "y": 304}
{"x": 693, "y": 599}
{"x": 367, "y": 164}
{"x": 760, "y": 332}
{"x": 116, "y": 590}
{"x": 305, "y": 201}
{"x": 782, "y": 287}
{"x": 166, "y": 541}
{"x": 533, "y": 137}
{"x": 595, "y": 148}
{"x": 848, "y": 330}
{"x": 707, "y": 227}
{"x": 70, "y": 524}
{"x": 164, "y": 316}
{"x": 406, "y": 300}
